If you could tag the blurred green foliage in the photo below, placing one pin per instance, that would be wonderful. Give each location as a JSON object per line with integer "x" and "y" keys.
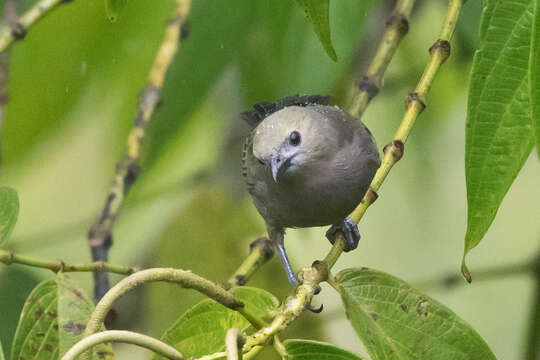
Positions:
{"x": 73, "y": 90}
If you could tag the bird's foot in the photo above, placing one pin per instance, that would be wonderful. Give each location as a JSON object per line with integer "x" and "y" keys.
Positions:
{"x": 350, "y": 231}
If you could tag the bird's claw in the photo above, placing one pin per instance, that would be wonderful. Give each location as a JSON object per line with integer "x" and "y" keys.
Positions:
{"x": 313, "y": 310}
{"x": 350, "y": 231}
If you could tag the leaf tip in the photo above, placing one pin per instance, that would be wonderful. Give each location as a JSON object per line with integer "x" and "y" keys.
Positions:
{"x": 332, "y": 53}
{"x": 465, "y": 271}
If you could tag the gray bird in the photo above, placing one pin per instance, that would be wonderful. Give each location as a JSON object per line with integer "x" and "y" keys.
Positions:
{"x": 307, "y": 164}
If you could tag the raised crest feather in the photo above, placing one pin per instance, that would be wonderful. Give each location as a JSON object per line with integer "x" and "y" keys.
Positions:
{"x": 263, "y": 109}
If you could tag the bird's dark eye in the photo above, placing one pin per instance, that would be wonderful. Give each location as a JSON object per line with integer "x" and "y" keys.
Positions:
{"x": 295, "y": 138}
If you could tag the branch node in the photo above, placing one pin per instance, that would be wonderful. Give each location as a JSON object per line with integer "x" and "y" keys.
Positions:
{"x": 266, "y": 246}
{"x": 184, "y": 31}
{"x": 8, "y": 257}
{"x": 368, "y": 85}
{"x": 321, "y": 268}
{"x": 99, "y": 266}
{"x": 400, "y": 22}
{"x": 60, "y": 266}
{"x": 241, "y": 280}
{"x": 414, "y": 97}
{"x": 396, "y": 148}
{"x": 18, "y": 31}
{"x": 371, "y": 195}
{"x": 443, "y": 47}
{"x": 131, "y": 176}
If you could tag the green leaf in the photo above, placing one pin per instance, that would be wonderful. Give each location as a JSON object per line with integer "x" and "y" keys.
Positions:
{"x": 315, "y": 350}
{"x": 53, "y": 319}
{"x": 534, "y": 78}
{"x": 317, "y": 13}
{"x": 201, "y": 330}
{"x": 113, "y": 8}
{"x": 16, "y": 282}
{"x": 499, "y": 135}
{"x": 9, "y": 210}
{"x": 2, "y": 357}
{"x": 396, "y": 321}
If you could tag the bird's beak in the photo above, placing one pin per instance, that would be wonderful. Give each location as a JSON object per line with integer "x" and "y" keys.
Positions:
{"x": 279, "y": 164}
{"x": 276, "y": 163}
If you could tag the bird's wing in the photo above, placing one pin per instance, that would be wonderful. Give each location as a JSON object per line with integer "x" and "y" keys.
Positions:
{"x": 248, "y": 163}
{"x": 263, "y": 109}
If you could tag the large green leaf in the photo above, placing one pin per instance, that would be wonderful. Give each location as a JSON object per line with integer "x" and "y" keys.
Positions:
{"x": 316, "y": 350}
{"x": 9, "y": 210}
{"x": 201, "y": 330}
{"x": 533, "y": 73}
{"x": 499, "y": 135}
{"x": 53, "y": 319}
{"x": 16, "y": 282}
{"x": 113, "y": 8}
{"x": 396, "y": 321}
{"x": 317, "y": 13}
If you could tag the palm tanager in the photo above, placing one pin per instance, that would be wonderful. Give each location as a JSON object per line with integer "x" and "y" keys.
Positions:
{"x": 307, "y": 164}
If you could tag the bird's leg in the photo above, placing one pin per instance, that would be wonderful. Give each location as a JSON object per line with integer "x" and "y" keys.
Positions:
{"x": 349, "y": 230}
{"x": 277, "y": 239}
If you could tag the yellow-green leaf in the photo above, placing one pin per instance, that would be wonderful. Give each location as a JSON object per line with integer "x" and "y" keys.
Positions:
{"x": 499, "y": 136}
{"x": 113, "y": 8}
{"x": 396, "y": 321}
{"x": 9, "y": 210}
{"x": 53, "y": 319}
{"x": 317, "y": 12}
{"x": 316, "y": 350}
{"x": 201, "y": 330}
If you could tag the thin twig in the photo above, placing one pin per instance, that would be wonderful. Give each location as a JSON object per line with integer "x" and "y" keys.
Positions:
{"x": 18, "y": 29}
{"x": 369, "y": 85}
{"x": 8, "y": 258}
{"x": 127, "y": 169}
{"x": 293, "y": 305}
{"x": 185, "y": 279}
{"x": 10, "y": 19}
{"x": 261, "y": 250}
{"x": 415, "y": 103}
{"x": 122, "y": 336}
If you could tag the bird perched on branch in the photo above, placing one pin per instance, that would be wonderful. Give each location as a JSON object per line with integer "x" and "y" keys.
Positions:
{"x": 307, "y": 164}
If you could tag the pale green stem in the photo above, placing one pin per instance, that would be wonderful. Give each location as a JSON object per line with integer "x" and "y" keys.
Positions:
{"x": 416, "y": 102}
{"x": 185, "y": 279}
{"x": 8, "y": 258}
{"x": 293, "y": 305}
{"x": 370, "y": 84}
{"x": 121, "y": 336}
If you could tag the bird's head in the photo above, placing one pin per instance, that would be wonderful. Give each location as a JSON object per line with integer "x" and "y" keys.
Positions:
{"x": 291, "y": 140}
